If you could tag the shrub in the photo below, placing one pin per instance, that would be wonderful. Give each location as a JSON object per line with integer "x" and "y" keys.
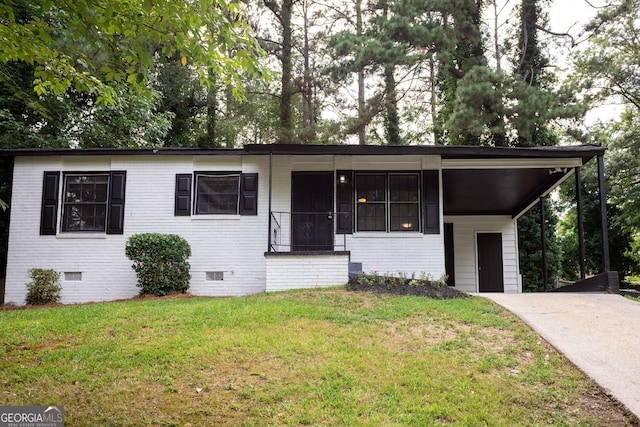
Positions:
{"x": 44, "y": 287}
{"x": 160, "y": 262}
{"x": 403, "y": 279}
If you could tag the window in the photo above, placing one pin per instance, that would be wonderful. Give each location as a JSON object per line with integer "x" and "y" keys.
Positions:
{"x": 84, "y": 205}
{"x": 217, "y": 194}
{"x": 388, "y": 201}
{"x": 72, "y": 276}
{"x": 90, "y": 202}
{"x": 214, "y": 275}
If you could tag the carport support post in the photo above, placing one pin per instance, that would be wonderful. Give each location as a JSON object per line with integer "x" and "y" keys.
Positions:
{"x": 580, "y": 224}
{"x": 606, "y": 265}
{"x": 543, "y": 232}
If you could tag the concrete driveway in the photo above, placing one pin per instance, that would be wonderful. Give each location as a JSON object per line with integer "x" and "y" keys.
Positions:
{"x": 599, "y": 333}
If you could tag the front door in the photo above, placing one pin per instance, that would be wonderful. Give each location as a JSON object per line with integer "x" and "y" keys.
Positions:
{"x": 312, "y": 211}
{"x": 490, "y": 277}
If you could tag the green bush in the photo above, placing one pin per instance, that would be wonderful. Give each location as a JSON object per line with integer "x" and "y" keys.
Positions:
{"x": 160, "y": 261}
{"x": 44, "y": 287}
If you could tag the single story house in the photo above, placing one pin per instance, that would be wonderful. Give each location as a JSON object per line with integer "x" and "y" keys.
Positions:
{"x": 275, "y": 217}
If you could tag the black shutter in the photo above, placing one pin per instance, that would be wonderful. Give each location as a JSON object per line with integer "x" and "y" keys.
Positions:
{"x": 431, "y": 201}
{"x": 249, "y": 194}
{"x": 344, "y": 201}
{"x": 117, "y": 184}
{"x": 49, "y": 212}
{"x": 182, "y": 205}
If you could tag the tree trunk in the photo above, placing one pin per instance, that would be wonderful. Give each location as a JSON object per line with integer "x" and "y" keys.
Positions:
{"x": 392, "y": 119}
{"x": 361, "y": 94}
{"x": 286, "y": 119}
{"x": 308, "y": 119}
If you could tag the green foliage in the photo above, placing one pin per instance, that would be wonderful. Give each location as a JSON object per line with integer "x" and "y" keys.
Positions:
{"x": 607, "y": 69}
{"x": 475, "y": 115}
{"x": 622, "y": 232}
{"x": 622, "y": 139}
{"x": 44, "y": 287}
{"x": 131, "y": 120}
{"x": 530, "y": 248}
{"x": 117, "y": 41}
{"x": 354, "y": 359}
{"x": 402, "y": 279}
{"x": 160, "y": 261}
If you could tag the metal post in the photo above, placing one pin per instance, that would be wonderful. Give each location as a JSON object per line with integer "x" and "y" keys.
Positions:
{"x": 606, "y": 265}
{"x": 543, "y": 231}
{"x": 580, "y": 224}
{"x": 270, "y": 191}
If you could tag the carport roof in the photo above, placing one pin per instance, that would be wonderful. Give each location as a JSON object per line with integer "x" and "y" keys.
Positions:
{"x": 476, "y": 180}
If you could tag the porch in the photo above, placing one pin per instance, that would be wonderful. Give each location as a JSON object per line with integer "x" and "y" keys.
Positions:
{"x": 317, "y": 209}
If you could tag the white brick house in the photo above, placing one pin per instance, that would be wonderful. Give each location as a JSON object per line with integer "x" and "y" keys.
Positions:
{"x": 274, "y": 217}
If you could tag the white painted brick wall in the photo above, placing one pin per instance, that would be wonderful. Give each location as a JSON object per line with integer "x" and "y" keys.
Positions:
{"x": 464, "y": 241}
{"x": 398, "y": 252}
{"x": 286, "y": 272}
{"x": 232, "y": 244}
{"x": 383, "y": 252}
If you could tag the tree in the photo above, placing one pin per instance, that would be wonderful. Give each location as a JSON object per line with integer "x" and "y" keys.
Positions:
{"x": 605, "y": 72}
{"x": 283, "y": 14}
{"x": 621, "y": 235}
{"x": 118, "y": 40}
{"x": 607, "y": 69}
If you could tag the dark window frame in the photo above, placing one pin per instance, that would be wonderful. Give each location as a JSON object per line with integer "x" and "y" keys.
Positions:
{"x": 215, "y": 174}
{"x": 186, "y": 194}
{"x": 56, "y": 207}
{"x": 388, "y": 203}
{"x": 66, "y": 206}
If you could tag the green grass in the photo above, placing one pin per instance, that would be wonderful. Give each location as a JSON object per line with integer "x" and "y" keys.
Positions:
{"x": 326, "y": 357}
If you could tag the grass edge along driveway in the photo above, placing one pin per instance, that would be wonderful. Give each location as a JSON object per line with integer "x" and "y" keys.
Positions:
{"x": 315, "y": 357}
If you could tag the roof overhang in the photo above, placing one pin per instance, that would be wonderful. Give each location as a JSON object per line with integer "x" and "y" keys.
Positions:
{"x": 476, "y": 180}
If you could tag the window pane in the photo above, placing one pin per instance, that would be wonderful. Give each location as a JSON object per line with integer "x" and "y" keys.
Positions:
{"x": 370, "y": 188}
{"x": 405, "y": 217}
{"x": 371, "y": 217}
{"x": 85, "y": 203}
{"x": 217, "y": 194}
{"x": 403, "y": 188}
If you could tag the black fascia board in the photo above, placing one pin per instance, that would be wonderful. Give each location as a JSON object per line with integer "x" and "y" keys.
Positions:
{"x": 171, "y": 151}
{"x": 586, "y": 152}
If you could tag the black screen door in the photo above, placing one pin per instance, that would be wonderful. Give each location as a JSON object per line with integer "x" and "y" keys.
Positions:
{"x": 490, "y": 277}
{"x": 449, "y": 254}
{"x": 312, "y": 211}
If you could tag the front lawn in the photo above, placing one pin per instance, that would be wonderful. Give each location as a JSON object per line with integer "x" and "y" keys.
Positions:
{"x": 321, "y": 357}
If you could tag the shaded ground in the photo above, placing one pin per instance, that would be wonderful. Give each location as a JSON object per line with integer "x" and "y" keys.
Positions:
{"x": 390, "y": 287}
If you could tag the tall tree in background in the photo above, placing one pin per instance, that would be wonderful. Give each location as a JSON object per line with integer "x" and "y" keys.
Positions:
{"x": 350, "y": 48}
{"x": 283, "y": 13}
{"x": 462, "y": 74}
{"x": 530, "y": 66}
{"x": 607, "y": 72}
